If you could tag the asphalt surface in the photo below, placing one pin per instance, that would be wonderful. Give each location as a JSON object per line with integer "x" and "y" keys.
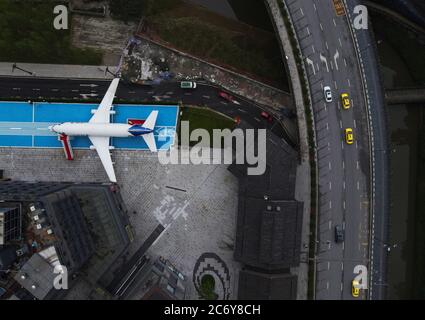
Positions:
{"x": 368, "y": 58}
{"x": 25, "y": 88}
{"x": 344, "y": 170}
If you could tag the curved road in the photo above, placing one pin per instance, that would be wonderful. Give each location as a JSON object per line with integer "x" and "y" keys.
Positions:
{"x": 344, "y": 170}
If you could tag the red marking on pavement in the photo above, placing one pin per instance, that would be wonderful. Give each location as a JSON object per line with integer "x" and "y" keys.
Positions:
{"x": 66, "y": 146}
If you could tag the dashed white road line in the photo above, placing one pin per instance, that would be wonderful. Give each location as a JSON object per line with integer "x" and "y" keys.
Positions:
{"x": 349, "y": 83}
{"x": 334, "y": 22}
{"x": 321, "y": 27}
{"x": 340, "y": 43}
{"x": 257, "y": 119}
{"x": 345, "y": 62}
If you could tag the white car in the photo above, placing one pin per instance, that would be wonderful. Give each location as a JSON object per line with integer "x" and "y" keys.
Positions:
{"x": 328, "y": 93}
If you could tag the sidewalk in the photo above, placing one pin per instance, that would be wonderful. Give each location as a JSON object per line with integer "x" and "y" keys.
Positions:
{"x": 56, "y": 71}
{"x": 302, "y": 189}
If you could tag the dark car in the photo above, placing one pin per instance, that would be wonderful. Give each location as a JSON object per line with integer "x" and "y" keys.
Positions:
{"x": 339, "y": 233}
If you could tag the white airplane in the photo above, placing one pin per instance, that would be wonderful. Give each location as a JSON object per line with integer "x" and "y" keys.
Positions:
{"x": 99, "y": 130}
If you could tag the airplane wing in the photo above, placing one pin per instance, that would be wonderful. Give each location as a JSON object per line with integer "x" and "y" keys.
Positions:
{"x": 150, "y": 141}
{"x": 102, "y": 147}
{"x": 102, "y": 114}
{"x": 151, "y": 120}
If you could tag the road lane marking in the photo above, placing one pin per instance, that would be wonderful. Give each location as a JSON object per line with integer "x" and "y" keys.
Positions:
{"x": 357, "y": 145}
{"x": 334, "y": 22}
{"x": 321, "y": 27}
{"x": 314, "y": 5}
{"x": 358, "y": 185}
{"x": 16, "y": 88}
{"x": 340, "y": 43}
{"x": 349, "y": 83}
{"x": 358, "y": 165}
{"x": 327, "y": 285}
{"x": 308, "y": 31}
{"x": 336, "y": 56}
{"x": 330, "y": 224}
{"x": 343, "y": 185}
{"x": 343, "y": 203}
{"x": 329, "y": 265}
{"x": 336, "y": 87}
{"x": 342, "y": 145}
{"x": 327, "y": 126}
{"x": 342, "y": 266}
{"x": 257, "y": 119}
{"x": 342, "y": 286}
{"x": 330, "y": 204}
{"x": 345, "y": 62}
{"x": 326, "y": 45}
{"x": 340, "y": 123}
{"x": 330, "y": 166}
{"x": 343, "y": 246}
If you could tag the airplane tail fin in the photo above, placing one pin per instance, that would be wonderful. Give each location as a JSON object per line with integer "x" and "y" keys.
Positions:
{"x": 151, "y": 120}
{"x": 150, "y": 141}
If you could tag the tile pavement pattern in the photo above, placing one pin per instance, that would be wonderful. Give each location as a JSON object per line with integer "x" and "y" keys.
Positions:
{"x": 200, "y": 219}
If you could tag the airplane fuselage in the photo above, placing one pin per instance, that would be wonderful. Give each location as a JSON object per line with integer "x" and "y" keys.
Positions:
{"x": 99, "y": 129}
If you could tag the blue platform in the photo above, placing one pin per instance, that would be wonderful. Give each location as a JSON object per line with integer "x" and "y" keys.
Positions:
{"x": 25, "y": 124}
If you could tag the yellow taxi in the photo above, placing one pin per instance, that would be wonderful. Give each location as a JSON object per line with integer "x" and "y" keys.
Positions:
{"x": 345, "y": 101}
{"x": 349, "y": 136}
{"x": 355, "y": 289}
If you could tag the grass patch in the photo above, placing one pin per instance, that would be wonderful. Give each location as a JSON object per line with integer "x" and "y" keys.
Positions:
{"x": 27, "y": 35}
{"x": 221, "y": 40}
{"x": 206, "y": 290}
{"x": 252, "y": 12}
{"x": 202, "y": 118}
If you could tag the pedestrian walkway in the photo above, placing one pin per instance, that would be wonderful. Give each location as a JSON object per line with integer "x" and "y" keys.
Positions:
{"x": 56, "y": 71}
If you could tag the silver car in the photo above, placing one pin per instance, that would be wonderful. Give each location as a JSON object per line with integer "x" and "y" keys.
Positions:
{"x": 328, "y": 93}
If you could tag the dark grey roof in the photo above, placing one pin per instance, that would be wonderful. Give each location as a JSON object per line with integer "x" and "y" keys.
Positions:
{"x": 260, "y": 286}
{"x": 36, "y": 276}
{"x": 7, "y": 257}
{"x": 268, "y": 234}
{"x": 74, "y": 244}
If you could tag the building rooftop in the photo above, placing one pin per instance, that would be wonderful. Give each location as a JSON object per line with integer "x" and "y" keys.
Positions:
{"x": 36, "y": 276}
{"x": 261, "y": 286}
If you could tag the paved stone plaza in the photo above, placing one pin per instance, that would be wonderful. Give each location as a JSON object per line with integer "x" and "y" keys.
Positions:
{"x": 196, "y": 204}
